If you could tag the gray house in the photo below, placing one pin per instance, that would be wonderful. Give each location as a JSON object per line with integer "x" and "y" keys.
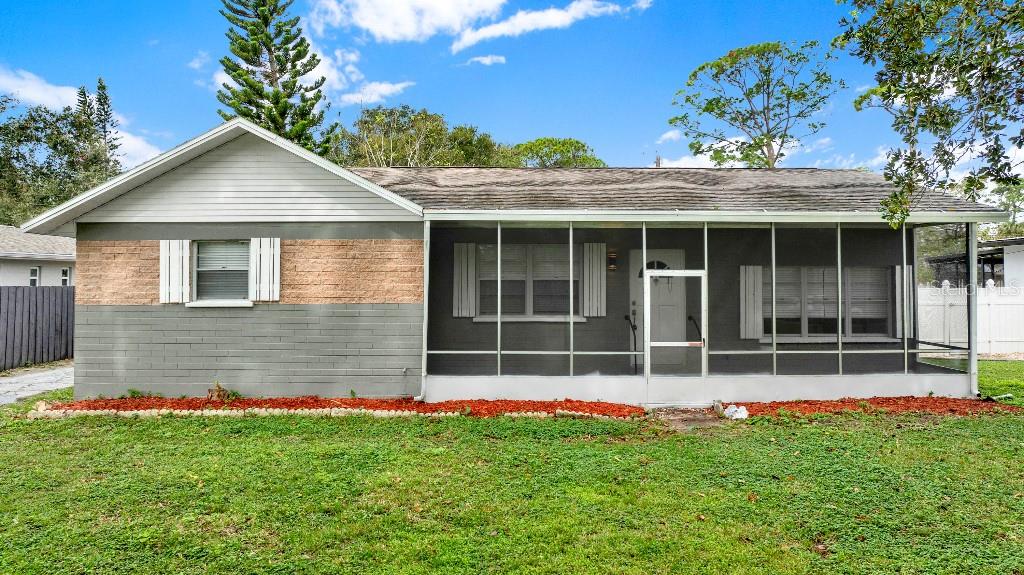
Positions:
{"x": 241, "y": 258}
{"x": 35, "y": 260}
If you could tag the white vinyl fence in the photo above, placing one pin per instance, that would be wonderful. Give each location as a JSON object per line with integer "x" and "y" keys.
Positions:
{"x": 943, "y": 317}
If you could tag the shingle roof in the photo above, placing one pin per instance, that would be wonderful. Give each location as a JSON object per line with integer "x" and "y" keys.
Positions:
{"x": 16, "y": 243}
{"x": 684, "y": 189}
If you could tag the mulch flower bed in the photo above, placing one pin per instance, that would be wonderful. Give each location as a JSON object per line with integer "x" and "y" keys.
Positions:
{"x": 936, "y": 405}
{"x": 474, "y": 408}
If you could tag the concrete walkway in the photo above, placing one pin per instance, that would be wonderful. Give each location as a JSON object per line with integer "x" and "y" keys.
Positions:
{"x": 18, "y": 386}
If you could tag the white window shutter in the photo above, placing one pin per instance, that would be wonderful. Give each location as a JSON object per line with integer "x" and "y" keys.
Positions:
{"x": 464, "y": 299}
{"x": 594, "y": 284}
{"x": 265, "y": 269}
{"x": 175, "y": 271}
{"x": 751, "y": 302}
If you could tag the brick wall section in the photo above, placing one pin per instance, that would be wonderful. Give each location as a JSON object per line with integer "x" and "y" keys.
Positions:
{"x": 117, "y": 272}
{"x": 351, "y": 271}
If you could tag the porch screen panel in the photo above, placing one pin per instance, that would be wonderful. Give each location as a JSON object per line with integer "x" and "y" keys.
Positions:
{"x": 872, "y": 299}
{"x": 611, "y": 299}
{"x": 939, "y": 299}
{"x": 807, "y": 300}
{"x": 535, "y": 310}
{"x": 461, "y": 340}
{"x": 739, "y": 300}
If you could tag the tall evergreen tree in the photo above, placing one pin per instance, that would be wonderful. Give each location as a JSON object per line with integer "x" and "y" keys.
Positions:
{"x": 271, "y": 60}
{"x": 106, "y": 126}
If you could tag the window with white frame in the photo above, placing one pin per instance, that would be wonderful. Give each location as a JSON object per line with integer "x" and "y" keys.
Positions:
{"x": 806, "y": 302}
{"x": 535, "y": 280}
{"x": 35, "y": 276}
{"x": 65, "y": 276}
{"x": 221, "y": 270}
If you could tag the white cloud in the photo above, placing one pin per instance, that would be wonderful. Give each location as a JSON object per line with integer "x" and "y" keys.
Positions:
{"x": 34, "y": 90}
{"x": 374, "y": 92}
{"x": 402, "y": 20}
{"x": 687, "y": 162}
{"x": 525, "y": 21}
{"x": 838, "y": 161}
{"x": 864, "y": 88}
{"x": 201, "y": 59}
{"x": 818, "y": 145}
{"x": 488, "y": 60}
{"x": 880, "y": 158}
{"x": 641, "y": 5}
{"x": 669, "y": 136}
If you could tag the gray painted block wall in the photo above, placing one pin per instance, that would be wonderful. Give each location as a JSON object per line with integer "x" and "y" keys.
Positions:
{"x": 267, "y": 350}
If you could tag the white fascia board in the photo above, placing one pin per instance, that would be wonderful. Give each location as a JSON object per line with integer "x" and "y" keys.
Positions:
{"x": 702, "y": 216}
{"x": 56, "y": 217}
{"x": 330, "y": 166}
{"x": 41, "y": 257}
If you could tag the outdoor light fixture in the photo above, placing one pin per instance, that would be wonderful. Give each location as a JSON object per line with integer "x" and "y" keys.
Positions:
{"x": 612, "y": 261}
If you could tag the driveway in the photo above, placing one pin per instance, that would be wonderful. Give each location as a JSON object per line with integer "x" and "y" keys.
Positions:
{"x": 16, "y": 387}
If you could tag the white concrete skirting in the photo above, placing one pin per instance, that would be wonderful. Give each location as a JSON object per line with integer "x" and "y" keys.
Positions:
{"x": 695, "y": 391}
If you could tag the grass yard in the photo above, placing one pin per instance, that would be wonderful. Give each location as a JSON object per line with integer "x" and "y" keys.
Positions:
{"x": 999, "y": 377}
{"x": 842, "y": 494}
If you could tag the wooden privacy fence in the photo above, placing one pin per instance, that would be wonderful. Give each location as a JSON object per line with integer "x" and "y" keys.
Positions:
{"x": 37, "y": 324}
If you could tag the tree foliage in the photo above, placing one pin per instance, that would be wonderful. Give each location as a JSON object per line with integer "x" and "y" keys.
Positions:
{"x": 47, "y": 157}
{"x": 404, "y": 136}
{"x": 1011, "y": 200}
{"x": 556, "y": 153}
{"x": 950, "y": 74}
{"x": 755, "y": 103}
{"x": 271, "y": 62}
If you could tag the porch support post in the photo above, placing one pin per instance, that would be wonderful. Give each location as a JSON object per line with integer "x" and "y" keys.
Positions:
{"x": 905, "y": 305}
{"x": 775, "y": 364}
{"x": 704, "y": 308}
{"x": 572, "y": 326}
{"x": 972, "y": 305}
{"x": 426, "y": 307}
{"x": 839, "y": 292}
{"x": 498, "y": 351}
{"x": 647, "y": 322}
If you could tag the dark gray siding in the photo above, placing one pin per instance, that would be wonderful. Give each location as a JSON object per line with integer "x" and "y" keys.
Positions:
{"x": 268, "y": 350}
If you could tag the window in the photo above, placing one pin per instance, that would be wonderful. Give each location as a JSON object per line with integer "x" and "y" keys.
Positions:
{"x": 35, "y": 275}
{"x": 222, "y": 270}
{"x": 65, "y": 276}
{"x": 805, "y": 304}
{"x": 535, "y": 280}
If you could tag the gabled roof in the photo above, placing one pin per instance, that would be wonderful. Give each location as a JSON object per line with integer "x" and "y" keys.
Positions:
{"x": 724, "y": 190}
{"x": 16, "y": 244}
{"x": 55, "y": 219}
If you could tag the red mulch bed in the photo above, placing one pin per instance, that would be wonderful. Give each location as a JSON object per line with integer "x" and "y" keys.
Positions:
{"x": 477, "y": 408}
{"x": 937, "y": 405}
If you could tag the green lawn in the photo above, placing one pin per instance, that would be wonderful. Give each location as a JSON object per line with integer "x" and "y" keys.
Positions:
{"x": 850, "y": 494}
{"x": 999, "y": 377}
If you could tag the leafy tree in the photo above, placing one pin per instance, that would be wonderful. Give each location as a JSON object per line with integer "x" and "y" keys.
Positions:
{"x": 478, "y": 148}
{"x": 556, "y": 153}
{"x": 271, "y": 60}
{"x": 1011, "y": 199}
{"x": 106, "y": 126}
{"x": 949, "y": 73}
{"x": 755, "y": 103}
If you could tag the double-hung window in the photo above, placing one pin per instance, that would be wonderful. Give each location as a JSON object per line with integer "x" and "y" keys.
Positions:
{"x": 35, "y": 276}
{"x": 65, "y": 276}
{"x": 221, "y": 270}
{"x": 806, "y": 302}
{"x": 535, "y": 280}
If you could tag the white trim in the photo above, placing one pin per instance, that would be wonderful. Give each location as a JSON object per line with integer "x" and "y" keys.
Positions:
{"x": 542, "y": 318}
{"x": 41, "y": 257}
{"x": 111, "y": 189}
{"x": 220, "y": 303}
{"x": 727, "y": 216}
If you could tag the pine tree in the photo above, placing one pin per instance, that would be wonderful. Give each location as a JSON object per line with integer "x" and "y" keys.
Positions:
{"x": 106, "y": 126}
{"x": 271, "y": 58}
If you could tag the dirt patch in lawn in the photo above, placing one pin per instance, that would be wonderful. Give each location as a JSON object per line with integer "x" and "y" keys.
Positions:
{"x": 476, "y": 408}
{"x": 679, "y": 419}
{"x": 936, "y": 405}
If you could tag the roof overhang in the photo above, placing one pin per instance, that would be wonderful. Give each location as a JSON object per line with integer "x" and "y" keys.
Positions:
{"x": 32, "y": 256}
{"x": 736, "y": 216}
{"x": 56, "y": 219}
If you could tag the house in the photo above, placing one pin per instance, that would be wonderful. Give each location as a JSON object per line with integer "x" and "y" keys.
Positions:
{"x": 35, "y": 260}
{"x": 241, "y": 258}
{"x": 1000, "y": 264}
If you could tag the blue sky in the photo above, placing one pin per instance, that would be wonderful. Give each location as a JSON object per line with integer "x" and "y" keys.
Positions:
{"x": 601, "y": 71}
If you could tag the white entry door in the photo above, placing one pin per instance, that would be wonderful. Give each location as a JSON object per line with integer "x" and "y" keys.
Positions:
{"x": 669, "y": 297}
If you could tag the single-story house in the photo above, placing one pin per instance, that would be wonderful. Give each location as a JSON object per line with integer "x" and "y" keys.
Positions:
{"x": 241, "y": 258}
{"x": 1000, "y": 264}
{"x": 35, "y": 260}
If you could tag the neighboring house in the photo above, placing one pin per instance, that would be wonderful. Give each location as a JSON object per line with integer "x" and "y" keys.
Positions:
{"x": 241, "y": 258}
{"x": 35, "y": 260}
{"x": 1000, "y": 264}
